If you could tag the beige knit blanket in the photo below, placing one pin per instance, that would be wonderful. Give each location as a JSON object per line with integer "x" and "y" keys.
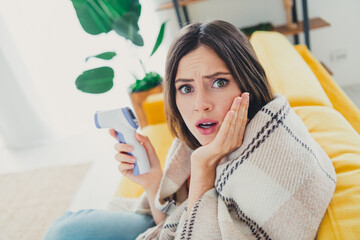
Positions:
{"x": 277, "y": 185}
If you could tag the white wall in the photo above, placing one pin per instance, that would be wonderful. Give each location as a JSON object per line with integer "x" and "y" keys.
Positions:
{"x": 341, "y": 36}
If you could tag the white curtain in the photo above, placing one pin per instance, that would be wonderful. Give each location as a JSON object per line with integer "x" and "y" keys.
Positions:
{"x": 21, "y": 122}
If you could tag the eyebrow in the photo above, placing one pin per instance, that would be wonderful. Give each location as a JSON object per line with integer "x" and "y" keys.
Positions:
{"x": 208, "y": 76}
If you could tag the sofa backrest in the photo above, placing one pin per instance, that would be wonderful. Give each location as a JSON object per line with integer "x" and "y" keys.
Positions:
{"x": 287, "y": 72}
{"x": 340, "y": 101}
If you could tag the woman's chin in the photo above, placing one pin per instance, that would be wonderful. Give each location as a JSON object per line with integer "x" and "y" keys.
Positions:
{"x": 205, "y": 140}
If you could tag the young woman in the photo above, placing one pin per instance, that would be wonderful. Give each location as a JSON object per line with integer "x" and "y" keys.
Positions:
{"x": 242, "y": 165}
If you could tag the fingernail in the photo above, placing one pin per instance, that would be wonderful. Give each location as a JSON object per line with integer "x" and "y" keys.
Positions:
{"x": 238, "y": 100}
{"x": 246, "y": 97}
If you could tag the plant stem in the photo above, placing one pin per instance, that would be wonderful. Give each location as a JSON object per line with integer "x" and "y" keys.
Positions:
{"x": 134, "y": 53}
{"x": 142, "y": 65}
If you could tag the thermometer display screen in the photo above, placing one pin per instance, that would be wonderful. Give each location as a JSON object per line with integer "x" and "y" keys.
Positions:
{"x": 133, "y": 116}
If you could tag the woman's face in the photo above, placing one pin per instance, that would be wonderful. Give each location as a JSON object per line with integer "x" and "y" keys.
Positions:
{"x": 205, "y": 90}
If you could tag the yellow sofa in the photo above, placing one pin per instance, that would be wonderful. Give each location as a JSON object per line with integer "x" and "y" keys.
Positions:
{"x": 330, "y": 116}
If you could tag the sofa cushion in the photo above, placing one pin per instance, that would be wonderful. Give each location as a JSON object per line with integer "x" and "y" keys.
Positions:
{"x": 287, "y": 72}
{"x": 161, "y": 140}
{"x": 342, "y": 144}
{"x": 340, "y": 101}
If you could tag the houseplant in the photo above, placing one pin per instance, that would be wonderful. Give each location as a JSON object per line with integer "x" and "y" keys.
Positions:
{"x": 120, "y": 16}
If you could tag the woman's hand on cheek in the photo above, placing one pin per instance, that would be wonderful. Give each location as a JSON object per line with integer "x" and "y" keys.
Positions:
{"x": 229, "y": 137}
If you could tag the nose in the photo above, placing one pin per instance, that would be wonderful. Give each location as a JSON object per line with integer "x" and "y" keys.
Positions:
{"x": 202, "y": 102}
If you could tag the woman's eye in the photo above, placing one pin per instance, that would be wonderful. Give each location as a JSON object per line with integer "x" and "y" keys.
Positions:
{"x": 220, "y": 83}
{"x": 185, "y": 89}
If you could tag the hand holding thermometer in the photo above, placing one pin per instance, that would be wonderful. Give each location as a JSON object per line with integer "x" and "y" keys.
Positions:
{"x": 124, "y": 122}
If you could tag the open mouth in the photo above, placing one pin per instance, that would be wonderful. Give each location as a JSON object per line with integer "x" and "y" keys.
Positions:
{"x": 206, "y": 125}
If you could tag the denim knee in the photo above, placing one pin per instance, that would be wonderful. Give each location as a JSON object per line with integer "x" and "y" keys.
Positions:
{"x": 64, "y": 227}
{"x": 98, "y": 225}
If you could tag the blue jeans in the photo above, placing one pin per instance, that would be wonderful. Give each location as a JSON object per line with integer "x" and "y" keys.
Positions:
{"x": 98, "y": 224}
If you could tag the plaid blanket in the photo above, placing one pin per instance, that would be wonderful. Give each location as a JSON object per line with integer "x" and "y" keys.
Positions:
{"x": 277, "y": 185}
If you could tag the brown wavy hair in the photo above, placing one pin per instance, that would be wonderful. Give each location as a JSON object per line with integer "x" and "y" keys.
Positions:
{"x": 234, "y": 48}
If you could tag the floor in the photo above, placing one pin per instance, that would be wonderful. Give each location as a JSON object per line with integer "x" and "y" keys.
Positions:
{"x": 102, "y": 179}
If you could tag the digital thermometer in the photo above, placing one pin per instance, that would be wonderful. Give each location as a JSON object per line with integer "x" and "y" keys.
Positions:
{"x": 124, "y": 122}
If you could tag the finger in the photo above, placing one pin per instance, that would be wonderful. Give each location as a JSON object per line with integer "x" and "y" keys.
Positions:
{"x": 245, "y": 120}
{"x": 233, "y": 123}
{"x": 123, "y": 147}
{"x": 224, "y": 129}
{"x": 125, "y": 158}
{"x": 113, "y": 133}
{"x": 125, "y": 169}
{"x": 245, "y": 107}
{"x": 238, "y": 139}
{"x": 225, "y": 124}
{"x": 147, "y": 144}
{"x": 235, "y": 106}
{"x": 240, "y": 115}
{"x": 127, "y": 173}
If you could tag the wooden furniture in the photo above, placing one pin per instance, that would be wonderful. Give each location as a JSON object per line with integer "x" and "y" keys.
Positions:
{"x": 176, "y": 4}
{"x": 305, "y": 26}
{"x": 288, "y": 5}
{"x": 181, "y": 3}
{"x": 314, "y": 23}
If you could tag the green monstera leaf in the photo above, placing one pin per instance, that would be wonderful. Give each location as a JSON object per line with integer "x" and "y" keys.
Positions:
{"x": 159, "y": 38}
{"x": 102, "y": 16}
{"x": 104, "y": 56}
{"x": 92, "y": 17}
{"x": 127, "y": 27}
{"x": 97, "y": 80}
